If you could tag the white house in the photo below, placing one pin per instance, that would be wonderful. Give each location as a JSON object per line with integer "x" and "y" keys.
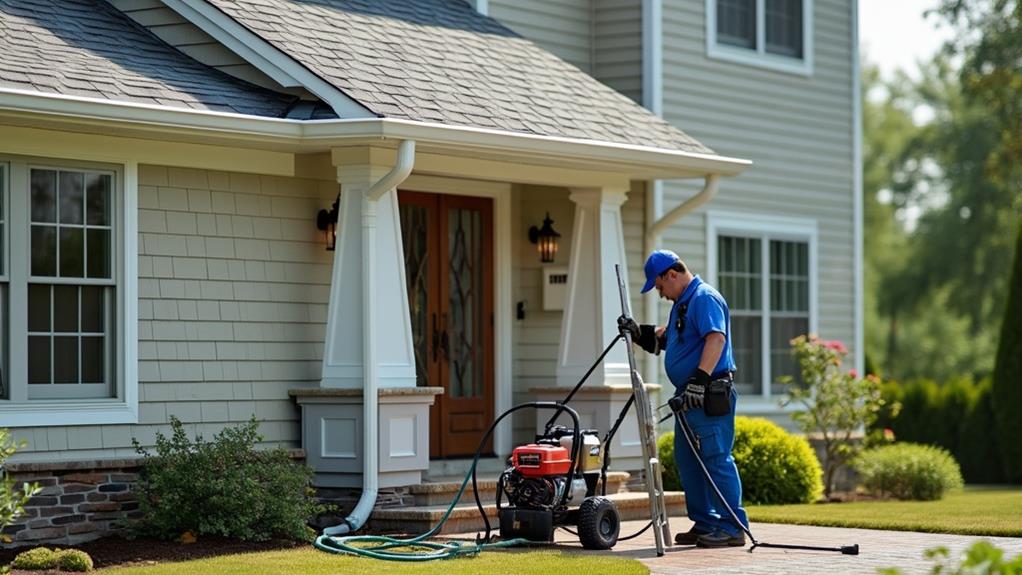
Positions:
{"x": 163, "y": 162}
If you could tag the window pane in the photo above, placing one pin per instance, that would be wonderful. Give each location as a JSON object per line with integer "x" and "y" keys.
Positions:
{"x": 65, "y": 359}
{"x": 71, "y": 252}
{"x": 736, "y": 23}
{"x": 44, "y": 251}
{"x": 65, "y": 308}
{"x": 98, "y": 253}
{"x": 783, "y": 330}
{"x": 92, "y": 360}
{"x": 44, "y": 196}
{"x": 789, "y": 276}
{"x": 784, "y": 27}
{"x": 38, "y": 307}
{"x": 746, "y": 348}
{"x": 98, "y": 199}
{"x": 72, "y": 197}
{"x": 39, "y": 359}
{"x": 92, "y": 309}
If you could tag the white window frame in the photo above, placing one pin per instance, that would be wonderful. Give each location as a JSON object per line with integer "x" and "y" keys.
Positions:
{"x": 18, "y": 410}
{"x": 760, "y": 58}
{"x": 765, "y": 228}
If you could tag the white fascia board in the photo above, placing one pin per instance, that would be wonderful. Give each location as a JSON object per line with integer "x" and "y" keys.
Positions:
{"x": 641, "y": 162}
{"x": 268, "y": 59}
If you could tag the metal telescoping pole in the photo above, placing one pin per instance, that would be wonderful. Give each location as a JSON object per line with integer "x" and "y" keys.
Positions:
{"x": 647, "y": 434}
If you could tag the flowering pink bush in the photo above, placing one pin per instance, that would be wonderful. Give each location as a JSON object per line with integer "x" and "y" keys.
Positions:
{"x": 836, "y": 403}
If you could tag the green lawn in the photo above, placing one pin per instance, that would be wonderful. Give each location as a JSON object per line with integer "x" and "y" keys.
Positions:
{"x": 310, "y": 561}
{"x": 976, "y": 510}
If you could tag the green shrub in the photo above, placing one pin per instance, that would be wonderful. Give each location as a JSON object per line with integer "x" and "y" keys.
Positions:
{"x": 74, "y": 560}
{"x": 978, "y": 447}
{"x": 665, "y": 451}
{"x": 38, "y": 558}
{"x": 775, "y": 466}
{"x": 223, "y": 487}
{"x": 12, "y": 496}
{"x": 1007, "y": 386}
{"x": 981, "y": 558}
{"x": 909, "y": 471}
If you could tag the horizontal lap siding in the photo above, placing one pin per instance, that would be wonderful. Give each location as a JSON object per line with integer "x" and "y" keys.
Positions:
{"x": 797, "y": 130}
{"x": 564, "y": 27}
{"x": 233, "y": 288}
{"x": 618, "y": 46}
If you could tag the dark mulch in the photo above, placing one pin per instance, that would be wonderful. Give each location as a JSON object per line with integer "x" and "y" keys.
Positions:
{"x": 111, "y": 551}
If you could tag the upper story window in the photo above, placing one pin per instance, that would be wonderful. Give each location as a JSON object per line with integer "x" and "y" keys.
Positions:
{"x": 65, "y": 284}
{"x": 774, "y": 34}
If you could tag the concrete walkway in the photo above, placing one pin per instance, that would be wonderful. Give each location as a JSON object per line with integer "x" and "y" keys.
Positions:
{"x": 877, "y": 549}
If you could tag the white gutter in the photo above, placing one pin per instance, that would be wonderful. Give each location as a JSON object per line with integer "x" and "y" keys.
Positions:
{"x": 370, "y": 394}
{"x": 147, "y": 120}
{"x": 860, "y": 349}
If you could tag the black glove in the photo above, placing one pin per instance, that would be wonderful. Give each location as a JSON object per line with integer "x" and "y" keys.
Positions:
{"x": 694, "y": 393}
{"x": 626, "y": 324}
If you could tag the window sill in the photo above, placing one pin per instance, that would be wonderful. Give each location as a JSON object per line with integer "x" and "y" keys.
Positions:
{"x": 48, "y": 413}
{"x": 752, "y": 58}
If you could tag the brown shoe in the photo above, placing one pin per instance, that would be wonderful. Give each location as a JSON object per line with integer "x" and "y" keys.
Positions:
{"x": 689, "y": 537}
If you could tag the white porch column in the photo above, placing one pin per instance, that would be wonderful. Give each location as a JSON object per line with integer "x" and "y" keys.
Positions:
{"x": 593, "y": 303}
{"x": 359, "y": 219}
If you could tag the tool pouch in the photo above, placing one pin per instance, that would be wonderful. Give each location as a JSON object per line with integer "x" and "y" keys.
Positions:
{"x": 717, "y": 400}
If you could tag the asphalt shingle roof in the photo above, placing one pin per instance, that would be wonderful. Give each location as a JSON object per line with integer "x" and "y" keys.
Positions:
{"x": 441, "y": 61}
{"x": 88, "y": 48}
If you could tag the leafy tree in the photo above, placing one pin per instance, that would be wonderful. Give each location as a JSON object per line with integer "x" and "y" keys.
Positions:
{"x": 1007, "y": 386}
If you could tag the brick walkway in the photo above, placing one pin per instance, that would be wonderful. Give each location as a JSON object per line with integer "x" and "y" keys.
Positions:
{"x": 876, "y": 549}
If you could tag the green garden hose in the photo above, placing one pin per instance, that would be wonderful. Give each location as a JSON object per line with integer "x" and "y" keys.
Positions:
{"x": 418, "y": 549}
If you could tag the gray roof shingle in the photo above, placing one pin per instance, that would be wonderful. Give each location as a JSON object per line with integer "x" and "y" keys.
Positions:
{"x": 441, "y": 61}
{"x": 88, "y": 48}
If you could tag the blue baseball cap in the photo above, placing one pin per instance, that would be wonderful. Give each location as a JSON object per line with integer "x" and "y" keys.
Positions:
{"x": 657, "y": 263}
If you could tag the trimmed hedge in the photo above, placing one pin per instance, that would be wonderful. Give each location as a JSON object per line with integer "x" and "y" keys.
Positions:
{"x": 908, "y": 471}
{"x": 957, "y": 416}
{"x": 1007, "y": 386}
{"x": 776, "y": 467}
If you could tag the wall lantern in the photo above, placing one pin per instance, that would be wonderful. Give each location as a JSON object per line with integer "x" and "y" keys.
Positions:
{"x": 326, "y": 221}
{"x": 545, "y": 239}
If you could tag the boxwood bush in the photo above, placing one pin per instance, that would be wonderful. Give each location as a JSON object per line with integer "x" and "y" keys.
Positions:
{"x": 776, "y": 467}
{"x": 223, "y": 487}
{"x": 909, "y": 471}
{"x": 74, "y": 560}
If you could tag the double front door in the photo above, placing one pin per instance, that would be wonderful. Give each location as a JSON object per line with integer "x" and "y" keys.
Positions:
{"x": 448, "y": 247}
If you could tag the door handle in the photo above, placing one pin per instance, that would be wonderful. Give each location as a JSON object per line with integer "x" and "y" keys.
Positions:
{"x": 445, "y": 341}
{"x": 436, "y": 339}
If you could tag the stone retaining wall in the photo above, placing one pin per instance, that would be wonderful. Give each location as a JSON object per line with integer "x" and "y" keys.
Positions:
{"x": 79, "y": 501}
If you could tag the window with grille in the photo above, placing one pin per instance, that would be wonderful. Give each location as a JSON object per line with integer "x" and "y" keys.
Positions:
{"x": 767, "y": 284}
{"x": 770, "y": 33}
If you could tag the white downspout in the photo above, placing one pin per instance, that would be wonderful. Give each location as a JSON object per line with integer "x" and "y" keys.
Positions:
{"x": 652, "y": 241}
{"x": 370, "y": 395}
{"x": 653, "y": 100}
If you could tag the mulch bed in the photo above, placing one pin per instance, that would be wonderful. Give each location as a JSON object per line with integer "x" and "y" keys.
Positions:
{"x": 111, "y": 551}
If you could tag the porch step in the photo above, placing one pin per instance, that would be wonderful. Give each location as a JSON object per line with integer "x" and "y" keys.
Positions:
{"x": 449, "y": 469}
{"x": 441, "y": 491}
{"x": 465, "y": 517}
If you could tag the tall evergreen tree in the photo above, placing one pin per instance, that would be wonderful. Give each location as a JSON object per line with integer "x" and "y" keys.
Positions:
{"x": 1007, "y": 387}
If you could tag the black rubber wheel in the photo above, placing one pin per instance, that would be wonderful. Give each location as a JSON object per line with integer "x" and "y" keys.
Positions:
{"x": 598, "y": 523}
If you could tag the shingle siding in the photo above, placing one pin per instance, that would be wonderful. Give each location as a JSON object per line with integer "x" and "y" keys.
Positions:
{"x": 233, "y": 289}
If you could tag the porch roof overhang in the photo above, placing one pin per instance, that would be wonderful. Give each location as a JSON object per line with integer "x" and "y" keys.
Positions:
{"x": 296, "y": 137}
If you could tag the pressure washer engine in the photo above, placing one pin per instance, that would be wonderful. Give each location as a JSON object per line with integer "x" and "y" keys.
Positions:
{"x": 552, "y": 483}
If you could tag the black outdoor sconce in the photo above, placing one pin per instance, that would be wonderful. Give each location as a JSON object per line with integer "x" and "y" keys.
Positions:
{"x": 545, "y": 239}
{"x": 326, "y": 221}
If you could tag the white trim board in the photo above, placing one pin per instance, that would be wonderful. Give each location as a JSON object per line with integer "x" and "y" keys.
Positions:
{"x": 767, "y": 228}
{"x": 759, "y": 58}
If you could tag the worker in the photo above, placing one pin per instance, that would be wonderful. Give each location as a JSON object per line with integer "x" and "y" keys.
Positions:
{"x": 697, "y": 357}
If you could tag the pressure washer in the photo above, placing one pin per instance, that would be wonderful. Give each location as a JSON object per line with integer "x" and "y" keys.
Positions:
{"x": 558, "y": 481}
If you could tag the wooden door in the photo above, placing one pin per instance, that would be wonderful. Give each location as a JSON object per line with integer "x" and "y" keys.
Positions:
{"x": 448, "y": 247}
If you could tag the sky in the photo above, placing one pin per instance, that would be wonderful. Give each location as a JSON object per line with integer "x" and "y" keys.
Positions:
{"x": 894, "y": 34}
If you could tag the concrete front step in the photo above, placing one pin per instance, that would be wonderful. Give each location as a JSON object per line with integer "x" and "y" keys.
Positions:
{"x": 465, "y": 518}
{"x": 442, "y": 492}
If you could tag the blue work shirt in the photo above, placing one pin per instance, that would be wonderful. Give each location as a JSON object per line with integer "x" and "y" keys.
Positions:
{"x": 706, "y": 312}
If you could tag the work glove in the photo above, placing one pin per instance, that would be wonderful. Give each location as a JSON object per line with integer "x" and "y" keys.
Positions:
{"x": 693, "y": 394}
{"x": 626, "y": 324}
